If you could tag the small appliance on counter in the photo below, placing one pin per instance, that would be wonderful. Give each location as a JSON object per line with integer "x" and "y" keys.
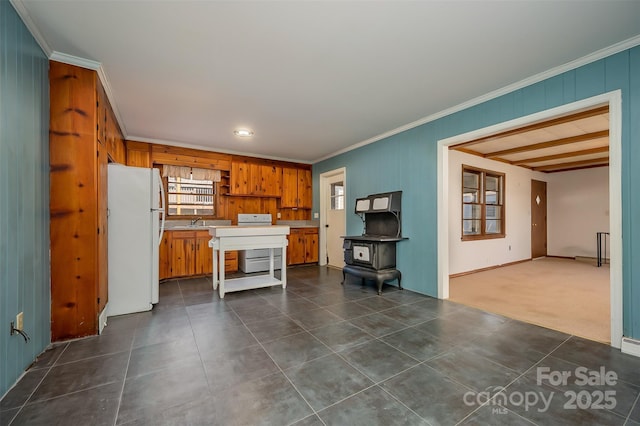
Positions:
{"x": 257, "y": 260}
{"x": 372, "y": 255}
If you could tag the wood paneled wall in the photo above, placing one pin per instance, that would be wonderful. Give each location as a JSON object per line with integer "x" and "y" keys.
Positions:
{"x": 73, "y": 201}
{"x": 138, "y": 154}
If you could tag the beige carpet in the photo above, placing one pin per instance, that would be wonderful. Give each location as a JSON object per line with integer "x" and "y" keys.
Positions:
{"x": 562, "y": 294}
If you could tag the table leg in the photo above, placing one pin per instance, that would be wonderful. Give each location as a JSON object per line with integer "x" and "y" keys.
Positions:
{"x": 272, "y": 265}
{"x": 215, "y": 268}
{"x": 283, "y": 268}
{"x": 221, "y": 252}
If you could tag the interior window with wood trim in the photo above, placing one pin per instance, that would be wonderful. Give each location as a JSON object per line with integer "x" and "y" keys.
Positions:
{"x": 190, "y": 192}
{"x": 482, "y": 204}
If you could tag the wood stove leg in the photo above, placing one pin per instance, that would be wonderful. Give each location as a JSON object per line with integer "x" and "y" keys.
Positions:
{"x": 379, "y": 281}
{"x": 400, "y": 280}
{"x": 344, "y": 277}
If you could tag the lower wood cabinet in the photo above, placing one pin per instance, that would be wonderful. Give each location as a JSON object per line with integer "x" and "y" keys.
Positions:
{"x": 303, "y": 246}
{"x": 187, "y": 253}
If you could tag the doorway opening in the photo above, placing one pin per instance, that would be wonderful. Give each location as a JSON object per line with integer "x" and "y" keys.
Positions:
{"x": 611, "y": 101}
{"x": 333, "y": 195}
{"x": 538, "y": 219}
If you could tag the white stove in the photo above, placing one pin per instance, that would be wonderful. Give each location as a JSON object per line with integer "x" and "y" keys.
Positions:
{"x": 257, "y": 260}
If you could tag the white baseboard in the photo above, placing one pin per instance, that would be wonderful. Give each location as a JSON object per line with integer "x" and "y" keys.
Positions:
{"x": 630, "y": 346}
{"x": 102, "y": 319}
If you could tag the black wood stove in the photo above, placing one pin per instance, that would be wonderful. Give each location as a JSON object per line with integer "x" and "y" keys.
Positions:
{"x": 372, "y": 255}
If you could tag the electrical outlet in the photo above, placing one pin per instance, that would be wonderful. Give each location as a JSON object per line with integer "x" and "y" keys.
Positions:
{"x": 316, "y": 215}
{"x": 278, "y": 215}
{"x": 20, "y": 321}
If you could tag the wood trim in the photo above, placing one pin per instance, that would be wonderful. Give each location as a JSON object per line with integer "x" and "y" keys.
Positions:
{"x": 488, "y": 268}
{"x": 578, "y": 168}
{"x": 572, "y": 164}
{"x": 177, "y": 156}
{"x": 138, "y": 146}
{"x": 541, "y": 125}
{"x": 550, "y": 144}
{"x": 563, "y": 155}
{"x": 267, "y": 162}
{"x": 503, "y": 208}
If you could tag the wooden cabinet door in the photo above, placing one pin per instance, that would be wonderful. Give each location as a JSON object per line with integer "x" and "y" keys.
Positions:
{"x": 101, "y": 113}
{"x": 239, "y": 178}
{"x": 305, "y": 199}
{"x": 296, "y": 249}
{"x": 271, "y": 181}
{"x": 289, "y": 188}
{"x": 204, "y": 254}
{"x": 255, "y": 179}
{"x": 165, "y": 256}
{"x": 183, "y": 250}
{"x": 138, "y": 154}
{"x": 311, "y": 245}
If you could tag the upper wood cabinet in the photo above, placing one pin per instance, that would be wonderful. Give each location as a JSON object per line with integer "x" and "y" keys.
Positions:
{"x": 253, "y": 179}
{"x": 138, "y": 154}
{"x": 77, "y": 201}
{"x": 296, "y": 188}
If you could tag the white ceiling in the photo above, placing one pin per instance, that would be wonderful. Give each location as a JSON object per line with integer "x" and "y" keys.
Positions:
{"x": 312, "y": 78}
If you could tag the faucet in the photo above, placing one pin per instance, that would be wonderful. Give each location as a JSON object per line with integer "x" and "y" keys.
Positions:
{"x": 194, "y": 221}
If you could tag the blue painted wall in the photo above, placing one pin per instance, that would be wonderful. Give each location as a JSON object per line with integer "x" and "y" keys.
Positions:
{"x": 407, "y": 162}
{"x": 24, "y": 195}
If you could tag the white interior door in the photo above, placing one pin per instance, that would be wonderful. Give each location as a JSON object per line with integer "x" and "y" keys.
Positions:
{"x": 333, "y": 208}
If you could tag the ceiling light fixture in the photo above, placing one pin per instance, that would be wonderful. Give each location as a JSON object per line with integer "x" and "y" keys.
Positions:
{"x": 243, "y": 133}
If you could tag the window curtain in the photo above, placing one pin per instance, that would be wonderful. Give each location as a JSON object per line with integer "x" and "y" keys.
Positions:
{"x": 206, "y": 174}
{"x": 191, "y": 173}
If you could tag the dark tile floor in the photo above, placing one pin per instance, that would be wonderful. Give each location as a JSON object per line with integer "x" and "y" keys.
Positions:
{"x": 320, "y": 353}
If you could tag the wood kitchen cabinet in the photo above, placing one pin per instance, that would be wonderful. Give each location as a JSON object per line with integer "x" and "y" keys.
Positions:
{"x": 187, "y": 253}
{"x": 253, "y": 179}
{"x": 296, "y": 188}
{"x": 165, "y": 256}
{"x": 183, "y": 253}
{"x": 303, "y": 246}
{"x": 204, "y": 254}
{"x": 78, "y": 156}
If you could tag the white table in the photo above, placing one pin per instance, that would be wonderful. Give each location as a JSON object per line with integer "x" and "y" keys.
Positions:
{"x": 228, "y": 238}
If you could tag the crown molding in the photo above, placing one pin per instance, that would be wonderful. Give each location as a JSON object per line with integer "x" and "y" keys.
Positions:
{"x": 592, "y": 57}
{"x": 74, "y": 60}
{"x": 106, "y": 85}
{"x": 31, "y": 26}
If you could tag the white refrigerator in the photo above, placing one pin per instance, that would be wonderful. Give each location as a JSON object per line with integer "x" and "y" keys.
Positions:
{"x": 136, "y": 223}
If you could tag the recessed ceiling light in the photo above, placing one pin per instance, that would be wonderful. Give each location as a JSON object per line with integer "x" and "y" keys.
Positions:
{"x": 243, "y": 133}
